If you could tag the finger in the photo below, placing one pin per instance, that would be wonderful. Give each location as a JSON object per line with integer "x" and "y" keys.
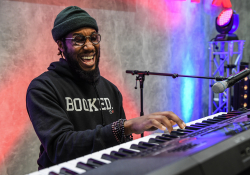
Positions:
{"x": 172, "y": 116}
{"x": 172, "y": 122}
{"x": 155, "y": 123}
{"x": 163, "y": 120}
{"x": 167, "y": 124}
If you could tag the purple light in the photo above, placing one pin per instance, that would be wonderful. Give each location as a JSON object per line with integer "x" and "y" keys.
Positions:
{"x": 224, "y": 17}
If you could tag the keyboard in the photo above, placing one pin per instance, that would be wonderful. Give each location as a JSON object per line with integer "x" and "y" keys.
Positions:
{"x": 153, "y": 153}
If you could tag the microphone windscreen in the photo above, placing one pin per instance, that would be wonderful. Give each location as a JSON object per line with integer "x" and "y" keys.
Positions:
{"x": 219, "y": 87}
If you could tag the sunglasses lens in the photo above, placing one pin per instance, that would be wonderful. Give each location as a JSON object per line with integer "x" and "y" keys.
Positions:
{"x": 80, "y": 39}
{"x": 95, "y": 38}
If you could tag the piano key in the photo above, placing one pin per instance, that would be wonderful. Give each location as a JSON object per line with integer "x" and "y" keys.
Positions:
{"x": 141, "y": 143}
{"x": 65, "y": 171}
{"x": 110, "y": 157}
{"x": 84, "y": 166}
{"x": 178, "y": 133}
{"x": 185, "y": 130}
{"x": 218, "y": 120}
{"x": 211, "y": 122}
{"x": 127, "y": 151}
{"x": 53, "y": 173}
{"x": 71, "y": 166}
{"x": 199, "y": 125}
{"x": 193, "y": 127}
{"x": 163, "y": 138}
{"x": 169, "y": 136}
{"x": 158, "y": 141}
{"x": 118, "y": 154}
{"x": 222, "y": 117}
{"x": 138, "y": 147}
{"x": 95, "y": 162}
{"x": 204, "y": 124}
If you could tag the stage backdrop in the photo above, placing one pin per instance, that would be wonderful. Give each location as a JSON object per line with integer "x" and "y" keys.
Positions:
{"x": 149, "y": 35}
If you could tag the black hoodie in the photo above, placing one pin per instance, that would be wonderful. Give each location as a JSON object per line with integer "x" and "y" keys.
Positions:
{"x": 71, "y": 117}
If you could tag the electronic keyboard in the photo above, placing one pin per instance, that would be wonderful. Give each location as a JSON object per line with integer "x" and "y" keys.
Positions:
{"x": 217, "y": 144}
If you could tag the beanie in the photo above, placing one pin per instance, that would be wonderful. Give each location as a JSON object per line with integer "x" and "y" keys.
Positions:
{"x": 70, "y": 19}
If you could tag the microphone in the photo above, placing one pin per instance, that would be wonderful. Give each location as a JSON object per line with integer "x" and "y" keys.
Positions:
{"x": 221, "y": 86}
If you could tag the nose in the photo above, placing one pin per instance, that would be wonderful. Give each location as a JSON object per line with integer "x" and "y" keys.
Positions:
{"x": 88, "y": 45}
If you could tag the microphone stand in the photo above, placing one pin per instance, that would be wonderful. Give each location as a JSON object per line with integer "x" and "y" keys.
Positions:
{"x": 141, "y": 77}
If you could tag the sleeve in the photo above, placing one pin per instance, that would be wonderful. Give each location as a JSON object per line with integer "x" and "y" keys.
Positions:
{"x": 55, "y": 131}
{"x": 122, "y": 113}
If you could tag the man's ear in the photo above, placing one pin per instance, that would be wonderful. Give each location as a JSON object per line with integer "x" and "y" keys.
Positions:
{"x": 60, "y": 45}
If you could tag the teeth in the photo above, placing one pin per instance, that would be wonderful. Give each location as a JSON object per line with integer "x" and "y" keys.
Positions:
{"x": 88, "y": 58}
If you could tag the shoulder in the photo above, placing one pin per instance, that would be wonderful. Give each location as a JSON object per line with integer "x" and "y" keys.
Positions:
{"x": 108, "y": 83}
{"x": 42, "y": 81}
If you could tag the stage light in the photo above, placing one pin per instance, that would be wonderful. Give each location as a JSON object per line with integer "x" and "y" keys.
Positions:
{"x": 226, "y": 24}
{"x": 245, "y": 105}
{"x": 241, "y": 91}
{"x": 245, "y": 87}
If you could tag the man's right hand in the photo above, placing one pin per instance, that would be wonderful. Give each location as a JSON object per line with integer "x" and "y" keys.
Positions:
{"x": 159, "y": 120}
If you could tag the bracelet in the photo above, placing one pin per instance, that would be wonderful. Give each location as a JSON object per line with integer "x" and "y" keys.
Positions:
{"x": 119, "y": 131}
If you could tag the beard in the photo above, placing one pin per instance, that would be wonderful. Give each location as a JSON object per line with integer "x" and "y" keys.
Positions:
{"x": 90, "y": 76}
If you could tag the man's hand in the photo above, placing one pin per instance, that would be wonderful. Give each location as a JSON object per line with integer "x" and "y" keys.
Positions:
{"x": 151, "y": 122}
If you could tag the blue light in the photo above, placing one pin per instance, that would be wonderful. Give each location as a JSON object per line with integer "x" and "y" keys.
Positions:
{"x": 187, "y": 93}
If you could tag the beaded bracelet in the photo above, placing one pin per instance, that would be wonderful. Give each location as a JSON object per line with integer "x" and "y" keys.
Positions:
{"x": 119, "y": 131}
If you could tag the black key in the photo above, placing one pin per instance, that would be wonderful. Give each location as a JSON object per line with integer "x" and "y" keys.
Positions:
{"x": 197, "y": 125}
{"x": 178, "y": 133}
{"x": 84, "y": 166}
{"x": 126, "y": 151}
{"x": 95, "y": 163}
{"x": 65, "y": 171}
{"x": 138, "y": 147}
{"x": 236, "y": 112}
{"x": 214, "y": 120}
{"x": 211, "y": 122}
{"x": 110, "y": 157}
{"x": 115, "y": 153}
{"x": 146, "y": 144}
{"x": 222, "y": 117}
{"x": 169, "y": 136}
{"x": 192, "y": 127}
{"x": 152, "y": 140}
{"x": 53, "y": 173}
{"x": 185, "y": 130}
{"x": 163, "y": 138}
{"x": 204, "y": 124}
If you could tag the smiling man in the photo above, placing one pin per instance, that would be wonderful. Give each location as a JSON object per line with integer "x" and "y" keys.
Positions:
{"x": 73, "y": 109}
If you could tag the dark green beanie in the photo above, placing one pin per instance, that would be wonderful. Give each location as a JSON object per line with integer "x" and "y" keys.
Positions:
{"x": 70, "y": 19}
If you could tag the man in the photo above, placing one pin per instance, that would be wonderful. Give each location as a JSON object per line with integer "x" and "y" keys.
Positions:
{"x": 73, "y": 109}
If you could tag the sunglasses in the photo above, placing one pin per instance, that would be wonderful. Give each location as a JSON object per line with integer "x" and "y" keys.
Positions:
{"x": 80, "y": 40}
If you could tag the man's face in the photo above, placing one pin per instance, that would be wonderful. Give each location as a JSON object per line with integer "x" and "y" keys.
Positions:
{"x": 87, "y": 55}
